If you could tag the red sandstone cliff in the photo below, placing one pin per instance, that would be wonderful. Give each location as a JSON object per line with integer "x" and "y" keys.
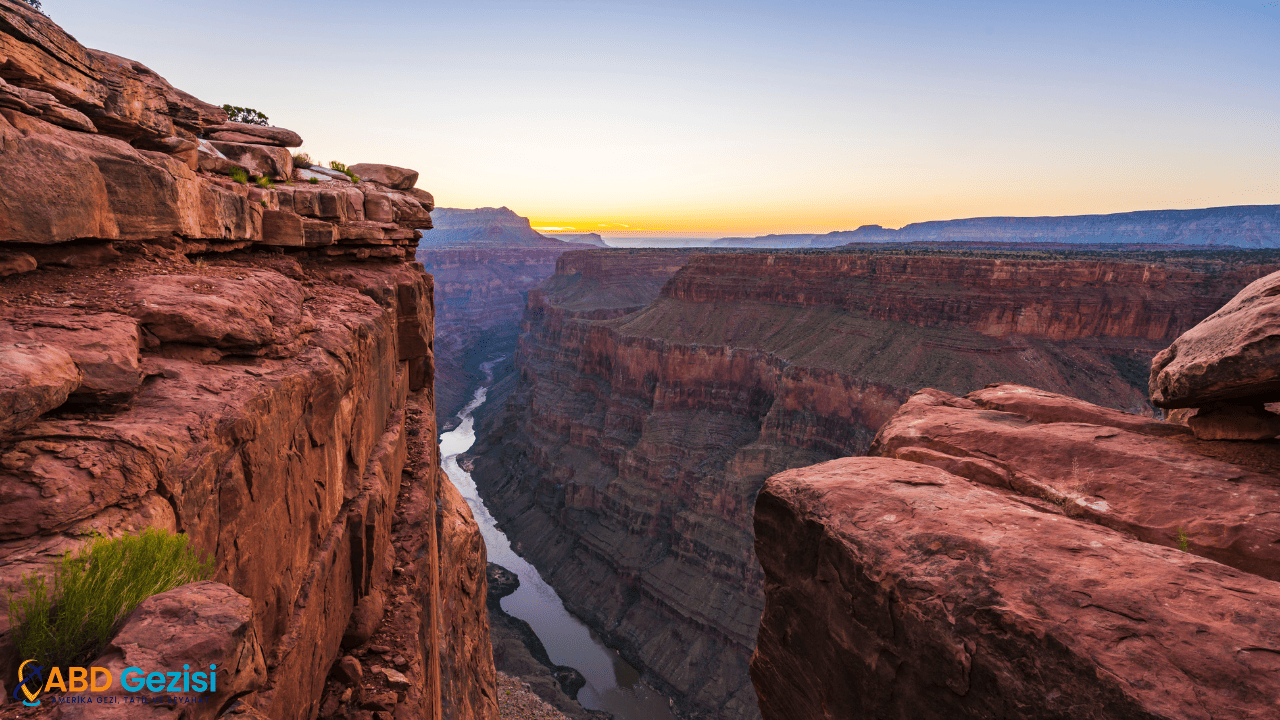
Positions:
{"x": 635, "y": 443}
{"x": 249, "y": 365}
{"x": 1020, "y": 553}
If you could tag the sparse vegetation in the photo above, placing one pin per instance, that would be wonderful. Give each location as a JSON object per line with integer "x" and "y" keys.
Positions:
{"x": 264, "y": 203}
{"x": 313, "y": 181}
{"x": 35, "y": 5}
{"x": 245, "y": 115}
{"x": 1183, "y": 540}
{"x": 69, "y": 618}
{"x": 240, "y": 175}
{"x": 342, "y": 168}
{"x": 302, "y": 159}
{"x": 264, "y": 182}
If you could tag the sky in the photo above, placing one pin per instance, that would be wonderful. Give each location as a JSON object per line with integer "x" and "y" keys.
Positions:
{"x": 701, "y": 118}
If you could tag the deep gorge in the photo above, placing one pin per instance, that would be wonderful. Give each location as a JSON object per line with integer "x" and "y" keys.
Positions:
{"x": 629, "y": 456}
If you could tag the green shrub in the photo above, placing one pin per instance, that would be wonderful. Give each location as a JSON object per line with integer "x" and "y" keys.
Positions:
{"x": 265, "y": 182}
{"x": 240, "y": 175}
{"x": 245, "y": 115}
{"x": 264, "y": 203}
{"x": 313, "y": 181}
{"x": 302, "y": 160}
{"x": 70, "y": 621}
{"x": 1183, "y": 540}
{"x": 335, "y": 165}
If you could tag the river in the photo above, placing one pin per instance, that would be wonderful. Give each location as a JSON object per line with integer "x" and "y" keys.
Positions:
{"x": 612, "y": 684}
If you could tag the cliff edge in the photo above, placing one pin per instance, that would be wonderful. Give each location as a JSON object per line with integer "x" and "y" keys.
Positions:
{"x": 249, "y": 364}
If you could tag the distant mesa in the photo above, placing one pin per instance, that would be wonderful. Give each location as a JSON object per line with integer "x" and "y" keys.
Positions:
{"x": 484, "y": 227}
{"x": 1247, "y": 226}
{"x": 592, "y": 239}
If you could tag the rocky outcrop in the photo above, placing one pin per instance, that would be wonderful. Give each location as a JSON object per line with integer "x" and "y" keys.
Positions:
{"x": 896, "y": 589}
{"x": 633, "y": 448}
{"x": 1225, "y": 368}
{"x": 1133, "y": 560}
{"x": 250, "y": 365}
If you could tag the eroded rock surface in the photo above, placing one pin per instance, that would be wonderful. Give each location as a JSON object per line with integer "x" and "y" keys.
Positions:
{"x": 895, "y": 589}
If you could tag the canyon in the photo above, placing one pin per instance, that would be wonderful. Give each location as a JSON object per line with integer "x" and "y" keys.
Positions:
{"x": 248, "y": 364}
{"x": 628, "y": 459}
{"x": 484, "y": 261}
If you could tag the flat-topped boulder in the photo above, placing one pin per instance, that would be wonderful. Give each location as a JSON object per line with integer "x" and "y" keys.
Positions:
{"x": 895, "y": 589}
{"x": 255, "y": 134}
{"x": 389, "y": 175}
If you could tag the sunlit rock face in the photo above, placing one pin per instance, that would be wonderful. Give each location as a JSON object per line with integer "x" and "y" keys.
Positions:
{"x": 628, "y": 461}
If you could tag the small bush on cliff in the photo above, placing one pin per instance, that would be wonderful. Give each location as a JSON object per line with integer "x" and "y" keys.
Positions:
{"x": 264, "y": 182}
{"x": 240, "y": 175}
{"x": 342, "y": 168}
{"x": 245, "y": 115}
{"x": 70, "y": 620}
{"x": 35, "y": 5}
{"x": 302, "y": 160}
{"x": 313, "y": 181}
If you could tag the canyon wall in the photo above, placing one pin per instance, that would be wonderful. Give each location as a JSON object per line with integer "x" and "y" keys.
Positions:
{"x": 484, "y": 261}
{"x": 247, "y": 364}
{"x": 629, "y": 457}
{"x": 1021, "y": 553}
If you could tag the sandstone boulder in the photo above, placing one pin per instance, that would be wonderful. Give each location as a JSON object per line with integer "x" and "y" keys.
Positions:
{"x": 253, "y": 312}
{"x": 264, "y": 160}
{"x": 389, "y": 175}
{"x": 1232, "y": 356}
{"x": 15, "y": 263}
{"x": 254, "y": 134}
{"x": 203, "y": 624}
{"x": 427, "y": 200}
{"x": 104, "y": 346}
{"x": 894, "y": 589}
{"x": 34, "y": 379}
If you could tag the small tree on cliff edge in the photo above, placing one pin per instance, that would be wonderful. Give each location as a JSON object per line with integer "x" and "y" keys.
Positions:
{"x": 245, "y": 115}
{"x": 35, "y": 5}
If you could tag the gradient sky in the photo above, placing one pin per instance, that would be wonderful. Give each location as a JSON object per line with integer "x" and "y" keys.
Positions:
{"x": 746, "y": 117}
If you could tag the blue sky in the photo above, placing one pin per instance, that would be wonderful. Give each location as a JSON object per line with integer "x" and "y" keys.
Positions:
{"x": 748, "y": 117}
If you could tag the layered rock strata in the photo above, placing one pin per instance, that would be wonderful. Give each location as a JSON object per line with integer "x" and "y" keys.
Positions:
{"x": 634, "y": 446}
{"x": 1016, "y": 552}
{"x": 485, "y": 262}
{"x": 239, "y": 363}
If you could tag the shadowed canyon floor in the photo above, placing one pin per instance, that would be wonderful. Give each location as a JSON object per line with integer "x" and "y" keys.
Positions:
{"x": 635, "y": 441}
